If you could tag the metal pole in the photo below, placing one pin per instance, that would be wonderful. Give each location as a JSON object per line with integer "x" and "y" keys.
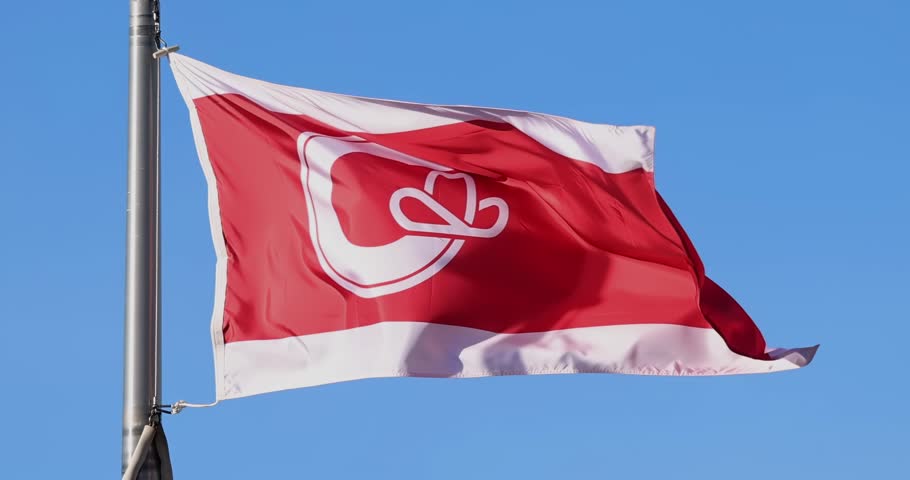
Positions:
{"x": 142, "y": 321}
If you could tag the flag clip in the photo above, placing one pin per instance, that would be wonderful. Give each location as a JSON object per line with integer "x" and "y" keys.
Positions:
{"x": 165, "y": 51}
{"x": 157, "y": 410}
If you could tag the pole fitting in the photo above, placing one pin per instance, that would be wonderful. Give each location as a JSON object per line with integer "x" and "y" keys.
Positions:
{"x": 165, "y": 51}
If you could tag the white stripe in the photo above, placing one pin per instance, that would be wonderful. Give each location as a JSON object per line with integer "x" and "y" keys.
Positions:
{"x": 217, "y": 322}
{"x": 612, "y": 148}
{"x": 416, "y": 349}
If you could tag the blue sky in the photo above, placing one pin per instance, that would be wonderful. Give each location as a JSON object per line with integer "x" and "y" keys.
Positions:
{"x": 782, "y": 147}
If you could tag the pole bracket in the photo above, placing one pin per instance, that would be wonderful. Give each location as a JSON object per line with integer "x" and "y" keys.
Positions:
{"x": 165, "y": 51}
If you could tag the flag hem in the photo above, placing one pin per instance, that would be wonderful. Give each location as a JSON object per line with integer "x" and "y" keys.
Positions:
{"x": 613, "y": 148}
{"x": 221, "y": 257}
{"x": 431, "y": 350}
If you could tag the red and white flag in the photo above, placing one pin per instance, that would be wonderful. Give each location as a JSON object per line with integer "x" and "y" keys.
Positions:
{"x": 363, "y": 238}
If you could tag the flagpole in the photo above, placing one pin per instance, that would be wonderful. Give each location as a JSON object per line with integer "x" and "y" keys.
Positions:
{"x": 142, "y": 320}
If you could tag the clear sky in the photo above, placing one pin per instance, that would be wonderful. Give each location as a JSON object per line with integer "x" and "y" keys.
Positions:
{"x": 782, "y": 146}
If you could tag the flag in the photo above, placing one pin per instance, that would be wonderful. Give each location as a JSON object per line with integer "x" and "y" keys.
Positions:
{"x": 361, "y": 238}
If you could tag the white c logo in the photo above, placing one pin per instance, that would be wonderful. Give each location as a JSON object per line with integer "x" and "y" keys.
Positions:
{"x": 371, "y": 272}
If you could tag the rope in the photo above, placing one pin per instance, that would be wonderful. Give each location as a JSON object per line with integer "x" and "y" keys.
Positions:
{"x": 139, "y": 453}
{"x": 154, "y": 433}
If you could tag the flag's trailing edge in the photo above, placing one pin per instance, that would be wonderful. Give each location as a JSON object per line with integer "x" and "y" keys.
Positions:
{"x": 362, "y": 238}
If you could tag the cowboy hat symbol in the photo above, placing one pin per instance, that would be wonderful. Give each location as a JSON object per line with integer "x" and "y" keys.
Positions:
{"x": 373, "y": 271}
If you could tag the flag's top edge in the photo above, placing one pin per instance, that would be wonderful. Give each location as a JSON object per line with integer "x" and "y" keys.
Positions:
{"x": 615, "y": 149}
{"x": 200, "y": 90}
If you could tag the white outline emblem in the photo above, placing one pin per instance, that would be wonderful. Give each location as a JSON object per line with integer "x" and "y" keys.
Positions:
{"x": 374, "y": 271}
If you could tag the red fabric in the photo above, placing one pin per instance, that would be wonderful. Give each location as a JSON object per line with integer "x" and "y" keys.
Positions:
{"x": 720, "y": 309}
{"x": 581, "y": 248}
